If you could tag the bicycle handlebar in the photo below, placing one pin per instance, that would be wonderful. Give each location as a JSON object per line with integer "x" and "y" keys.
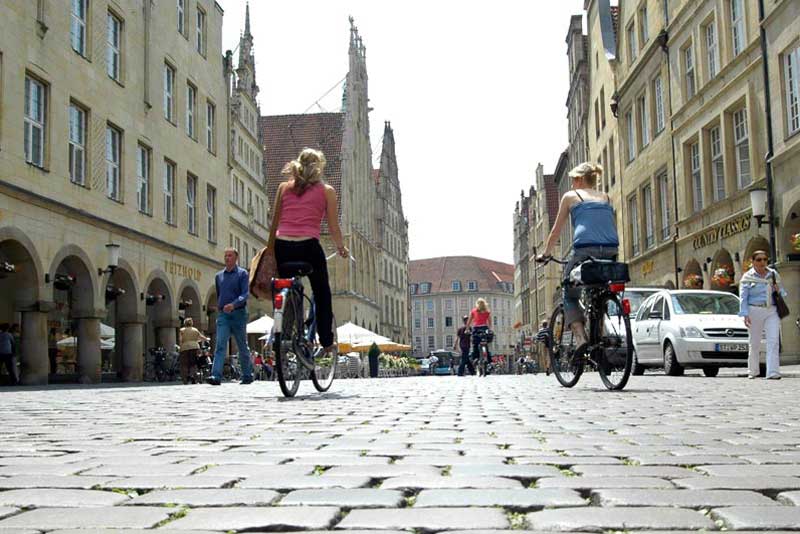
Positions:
{"x": 547, "y": 259}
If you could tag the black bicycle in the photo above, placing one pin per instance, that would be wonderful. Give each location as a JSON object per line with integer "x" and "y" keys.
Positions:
{"x": 610, "y": 345}
{"x": 298, "y": 352}
{"x": 483, "y": 336}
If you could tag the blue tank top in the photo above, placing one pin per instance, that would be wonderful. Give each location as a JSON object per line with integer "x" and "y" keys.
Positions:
{"x": 594, "y": 224}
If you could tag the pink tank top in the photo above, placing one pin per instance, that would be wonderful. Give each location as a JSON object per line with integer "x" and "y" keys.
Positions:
{"x": 301, "y": 215}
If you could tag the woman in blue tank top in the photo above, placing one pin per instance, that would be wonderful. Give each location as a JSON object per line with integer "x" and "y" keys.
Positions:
{"x": 594, "y": 235}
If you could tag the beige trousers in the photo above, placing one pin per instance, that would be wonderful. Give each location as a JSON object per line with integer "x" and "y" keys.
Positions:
{"x": 764, "y": 320}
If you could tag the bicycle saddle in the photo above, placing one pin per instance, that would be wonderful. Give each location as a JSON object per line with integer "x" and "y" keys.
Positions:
{"x": 295, "y": 268}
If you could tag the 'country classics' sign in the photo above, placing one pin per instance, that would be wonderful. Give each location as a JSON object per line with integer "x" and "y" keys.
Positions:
{"x": 182, "y": 270}
{"x": 722, "y": 231}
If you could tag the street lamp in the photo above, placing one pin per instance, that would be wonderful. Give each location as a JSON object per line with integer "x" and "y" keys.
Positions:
{"x": 113, "y": 259}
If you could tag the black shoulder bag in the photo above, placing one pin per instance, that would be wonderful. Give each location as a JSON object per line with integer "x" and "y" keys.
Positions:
{"x": 777, "y": 299}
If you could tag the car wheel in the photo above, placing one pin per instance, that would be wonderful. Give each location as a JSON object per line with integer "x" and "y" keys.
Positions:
{"x": 711, "y": 372}
{"x": 638, "y": 370}
{"x": 671, "y": 365}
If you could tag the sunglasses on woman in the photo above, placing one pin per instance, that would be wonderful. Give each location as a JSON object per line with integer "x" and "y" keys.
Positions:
{"x": 760, "y": 259}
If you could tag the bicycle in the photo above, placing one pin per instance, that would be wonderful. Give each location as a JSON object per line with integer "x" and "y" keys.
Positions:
{"x": 295, "y": 344}
{"x": 610, "y": 346}
{"x": 484, "y": 336}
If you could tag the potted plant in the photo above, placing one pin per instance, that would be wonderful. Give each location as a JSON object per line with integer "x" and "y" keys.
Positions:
{"x": 693, "y": 281}
{"x": 723, "y": 277}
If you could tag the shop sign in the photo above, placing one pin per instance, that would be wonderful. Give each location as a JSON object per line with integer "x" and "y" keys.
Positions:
{"x": 722, "y": 231}
{"x": 648, "y": 267}
{"x": 180, "y": 269}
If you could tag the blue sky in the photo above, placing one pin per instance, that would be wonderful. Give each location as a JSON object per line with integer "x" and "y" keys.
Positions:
{"x": 475, "y": 92}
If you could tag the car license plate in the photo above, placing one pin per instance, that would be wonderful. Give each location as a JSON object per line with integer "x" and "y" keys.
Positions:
{"x": 732, "y": 347}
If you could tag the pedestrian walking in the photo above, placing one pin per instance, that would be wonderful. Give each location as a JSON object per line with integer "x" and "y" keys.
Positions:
{"x": 760, "y": 314}
{"x": 189, "y": 349}
{"x": 232, "y": 285}
{"x": 7, "y": 350}
{"x": 463, "y": 343}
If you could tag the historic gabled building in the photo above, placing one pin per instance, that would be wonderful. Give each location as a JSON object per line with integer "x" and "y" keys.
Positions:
{"x": 445, "y": 289}
{"x": 393, "y": 240}
{"x": 344, "y": 138}
{"x": 248, "y": 206}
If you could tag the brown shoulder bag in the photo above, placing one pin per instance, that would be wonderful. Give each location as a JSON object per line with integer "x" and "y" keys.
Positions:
{"x": 263, "y": 266}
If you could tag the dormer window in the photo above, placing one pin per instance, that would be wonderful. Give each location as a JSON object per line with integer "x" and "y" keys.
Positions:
{"x": 425, "y": 287}
{"x": 472, "y": 285}
{"x": 412, "y": 289}
{"x": 456, "y": 285}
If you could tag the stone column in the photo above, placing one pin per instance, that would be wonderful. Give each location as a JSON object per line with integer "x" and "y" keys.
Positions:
{"x": 790, "y": 337}
{"x": 89, "y": 357}
{"x": 35, "y": 365}
{"x": 166, "y": 334}
{"x": 132, "y": 351}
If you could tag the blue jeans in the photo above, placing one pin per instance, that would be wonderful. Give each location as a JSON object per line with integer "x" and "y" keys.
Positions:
{"x": 232, "y": 324}
{"x": 572, "y": 309}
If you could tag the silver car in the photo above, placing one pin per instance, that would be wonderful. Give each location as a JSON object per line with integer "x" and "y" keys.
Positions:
{"x": 679, "y": 329}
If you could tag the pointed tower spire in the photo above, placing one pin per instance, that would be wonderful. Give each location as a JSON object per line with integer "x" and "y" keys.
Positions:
{"x": 247, "y": 19}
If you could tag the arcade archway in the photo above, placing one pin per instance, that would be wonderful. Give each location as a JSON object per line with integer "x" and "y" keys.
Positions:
{"x": 692, "y": 275}
{"x": 123, "y": 315}
{"x": 162, "y": 321}
{"x": 722, "y": 271}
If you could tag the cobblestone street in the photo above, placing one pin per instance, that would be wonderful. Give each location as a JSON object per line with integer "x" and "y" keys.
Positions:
{"x": 416, "y": 454}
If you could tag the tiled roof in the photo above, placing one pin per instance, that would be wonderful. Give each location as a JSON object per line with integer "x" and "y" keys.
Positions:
{"x": 441, "y": 272}
{"x": 286, "y": 135}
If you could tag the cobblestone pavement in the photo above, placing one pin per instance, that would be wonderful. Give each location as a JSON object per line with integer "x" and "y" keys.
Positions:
{"x": 409, "y": 454}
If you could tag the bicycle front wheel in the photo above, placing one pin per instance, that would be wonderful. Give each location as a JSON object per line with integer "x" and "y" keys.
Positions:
{"x": 566, "y": 365}
{"x": 325, "y": 364}
{"x": 615, "y": 358}
{"x": 286, "y": 345}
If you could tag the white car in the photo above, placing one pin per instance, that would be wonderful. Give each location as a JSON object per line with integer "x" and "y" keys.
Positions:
{"x": 635, "y": 296}
{"x": 678, "y": 329}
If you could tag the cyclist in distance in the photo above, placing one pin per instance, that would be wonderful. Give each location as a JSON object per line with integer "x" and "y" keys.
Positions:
{"x": 305, "y": 199}
{"x": 480, "y": 320}
{"x": 594, "y": 236}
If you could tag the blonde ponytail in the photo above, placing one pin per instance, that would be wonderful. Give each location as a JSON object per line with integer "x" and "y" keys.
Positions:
{"x": 306, "y": 170}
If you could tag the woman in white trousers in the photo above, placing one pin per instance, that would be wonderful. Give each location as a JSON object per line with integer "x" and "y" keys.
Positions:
{"x": 760, "y": 315}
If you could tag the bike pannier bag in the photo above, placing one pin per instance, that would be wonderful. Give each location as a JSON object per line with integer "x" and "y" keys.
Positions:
{"x": 600, "y": 272}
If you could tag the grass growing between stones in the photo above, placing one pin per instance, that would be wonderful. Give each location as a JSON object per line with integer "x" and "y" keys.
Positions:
{"x": 318, "y": 470}
{"x": 179, "y": 513}
{"x": 446, "y": 470}
{"x": 517, "y": 520}
{"x": 628, "y": 461}
{"x": 568, "y": 473}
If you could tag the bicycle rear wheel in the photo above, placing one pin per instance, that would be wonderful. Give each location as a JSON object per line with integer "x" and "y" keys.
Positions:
{"x": 615, "y": 358}
{"x": 567, "y": 367}
{"x": 286, "y": 344}
{"x": 325, "y": 367}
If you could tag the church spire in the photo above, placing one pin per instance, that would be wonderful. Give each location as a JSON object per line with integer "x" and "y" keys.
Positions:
{"x": 247, "y": 20}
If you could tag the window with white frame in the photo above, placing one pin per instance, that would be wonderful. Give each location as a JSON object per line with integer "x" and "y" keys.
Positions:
{"x": 644, "y": 31}
{"x": 191, "y": 106}
{"x": 143, "y": 179}
{"x": 633, "y": 50}
{"x": 77, "y": 144}
{"x": 169, "y": 192}
{"x": 792, "y": 68}
{"x": 741, "y": 138}
{"x": 697, "y": 177}
{"x": 658, "y": 96}
{"x": 429, "y": 305}
{"x": 113, "y": 46}
{"x": 113, "y": 160}
{"x": 201, "y": 31}
{"x": 649, "y": 217}
{"x": 456, "y": 285}
{"x": 448, "y": 341}
{"x": 431, "y": 343}
{"x": 169, "y": 93}
{"x": 211, "y": 124}
{"x": 644, "y": 118}
{"x": 689, "y": 72}
{"x": 191, "y": 204}
{"x": 472, "y": 285}
{"x": 78, "y": 26}
{"x": 633, "y": 209}
{"x": 211, "y": 214}
{"x": 712, "y": 49}
{"x": 737, "y": 26}
{"x": 182, "y": 16}
{"x": 430, "y": 322}
{"x": 34, "y": 125}
{"x": 631, "y": 133}
{"x": 663, "y": 193}
{"x": 417, "y": 323}
{"x": 717, "y": 164}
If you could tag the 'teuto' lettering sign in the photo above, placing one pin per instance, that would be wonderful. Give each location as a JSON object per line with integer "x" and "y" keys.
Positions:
{"x": 712, "y": 235}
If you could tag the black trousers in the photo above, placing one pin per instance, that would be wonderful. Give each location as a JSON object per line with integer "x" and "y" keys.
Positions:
{"x": 466, "y": 361}
{"x": 10, "y": 364}
{"x": 476, "y": 343}
{"x": 310, "y": 251}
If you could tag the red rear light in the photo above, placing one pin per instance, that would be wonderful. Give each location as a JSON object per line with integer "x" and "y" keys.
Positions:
{"x": 277, "y": 301}
{"x": 626, "y": 306}
{"x": 616, "y": 288}
{"x": 282, "y": 283}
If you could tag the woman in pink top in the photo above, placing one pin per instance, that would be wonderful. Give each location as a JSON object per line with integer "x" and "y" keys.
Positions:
{"x": 304, "y": 200}
{"x": 480, "y": 320}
